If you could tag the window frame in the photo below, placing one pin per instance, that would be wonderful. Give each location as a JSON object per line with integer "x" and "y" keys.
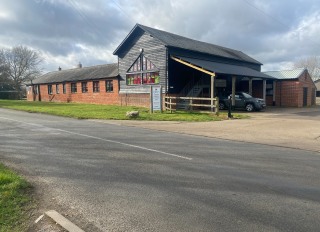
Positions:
{"x": 84, "y": 87}
{"x": 109, "y": 86}
{"x": 36, "y": 89}
{"x": 73, "y": 87}
{"x": 57, "y": 89}
{"x": 142, "y": 72}
{"x": 50, "y": 89}
{"x": 96, "y": 86}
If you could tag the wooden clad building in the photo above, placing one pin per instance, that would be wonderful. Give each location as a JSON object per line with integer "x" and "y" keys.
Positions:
{"x": 180, "y": 64}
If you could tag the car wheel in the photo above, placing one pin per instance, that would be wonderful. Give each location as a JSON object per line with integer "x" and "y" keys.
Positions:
{"x": 249, "y": 107}
{"x": 221, "y": 106}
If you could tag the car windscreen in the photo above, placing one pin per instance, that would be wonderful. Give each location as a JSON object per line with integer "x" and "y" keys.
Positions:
{"x": 247, "y": 95}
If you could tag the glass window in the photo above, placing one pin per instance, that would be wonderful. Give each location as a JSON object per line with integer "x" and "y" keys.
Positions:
{"x": 96, "y": 87}
{"x": 143, "y": 72}
{"x": 109, "y": 86}
{"x": 84, "y": 87}
{"x": 35, "y": 89}
{"x": 64, "y": 88}
{"x": 73, "y": 87}
{"x": 57, "y": 89}
{"x": 49, "y": 89}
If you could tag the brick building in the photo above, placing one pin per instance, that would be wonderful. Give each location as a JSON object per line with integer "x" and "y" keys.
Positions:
{"x": 317, "y": 83}
{"x": 292, "y": 88}
{"x": 95, "y": 84}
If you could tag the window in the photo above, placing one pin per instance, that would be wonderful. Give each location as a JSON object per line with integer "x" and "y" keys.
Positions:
{"x": 57, "y": 89}
{"x": 84, "y": 87}
{"x": 96, "y": 86}
{"x": 73, "y": 87}
{"x": 109, "y": 86}
{"x": 49, "y": 89}
{"x": 64, "y": 88}
{"x": 36, "y": 89}
{"x": 143, "y": 72}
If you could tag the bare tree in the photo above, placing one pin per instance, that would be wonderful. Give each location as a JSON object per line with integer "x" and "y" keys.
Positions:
{"x": 20, "y": 64}
{"x": 311, "y": 63}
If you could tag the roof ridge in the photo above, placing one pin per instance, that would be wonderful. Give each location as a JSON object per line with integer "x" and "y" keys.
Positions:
{"x": 170, "y": 39}
{"x": 189, "y": 38}
{"x": 286, "y": 70}
{"x": 77, "y": 68}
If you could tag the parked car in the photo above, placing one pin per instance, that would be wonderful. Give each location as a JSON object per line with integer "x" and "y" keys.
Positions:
{"x": 242, "y": 101}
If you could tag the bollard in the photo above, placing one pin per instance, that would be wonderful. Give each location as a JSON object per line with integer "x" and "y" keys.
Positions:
{"x": 229, "y": 108}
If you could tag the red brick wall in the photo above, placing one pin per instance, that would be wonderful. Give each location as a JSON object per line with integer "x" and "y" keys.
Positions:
{"x": 101, "y": 97}
{"x": 290, "y": 92}
{"x": 135, "y": 99}
{"x": 287, "y": 93}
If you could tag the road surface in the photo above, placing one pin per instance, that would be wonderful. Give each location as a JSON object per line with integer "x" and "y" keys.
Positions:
{"x": 109, "y": 177}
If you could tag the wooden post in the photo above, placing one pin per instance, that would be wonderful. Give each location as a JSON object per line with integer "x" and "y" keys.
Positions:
{"x": 191, "y": 107}
{"x": 212, "y": 92}
{"x": 264, "y": 89}
{"x": 250, "y": 86}
{"x": 216, "y": 109}
{"x": 233, "y": 90}
{"x": 170, "y": 104}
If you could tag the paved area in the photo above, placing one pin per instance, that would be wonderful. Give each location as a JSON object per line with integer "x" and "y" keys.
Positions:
{"x": 286, "y": 127}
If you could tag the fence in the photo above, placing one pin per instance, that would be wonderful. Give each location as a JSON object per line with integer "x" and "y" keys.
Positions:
{"x": 191, "y": 103}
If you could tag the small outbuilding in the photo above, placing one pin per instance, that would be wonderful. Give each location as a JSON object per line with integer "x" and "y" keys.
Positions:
{"x": 317, "y": 83}
{"x": 291, "y": 88}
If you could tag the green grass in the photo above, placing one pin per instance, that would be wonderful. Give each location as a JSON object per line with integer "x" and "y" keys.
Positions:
{"x": 93, "y": 111}
{"x": 15, "y": 201}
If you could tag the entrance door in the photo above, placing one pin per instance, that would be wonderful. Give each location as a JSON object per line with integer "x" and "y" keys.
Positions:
{"x": 305, "y": 96}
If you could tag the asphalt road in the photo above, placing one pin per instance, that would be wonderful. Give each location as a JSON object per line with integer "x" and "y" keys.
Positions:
{"x": 120, "y": 178}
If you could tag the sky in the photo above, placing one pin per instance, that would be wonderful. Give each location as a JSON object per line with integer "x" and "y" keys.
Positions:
{"x": 275, "y": 32}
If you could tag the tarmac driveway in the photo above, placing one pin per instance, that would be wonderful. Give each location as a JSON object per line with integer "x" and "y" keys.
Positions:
{"x": 286, "y": 127}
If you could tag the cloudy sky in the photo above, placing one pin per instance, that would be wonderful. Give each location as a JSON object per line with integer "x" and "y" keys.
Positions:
{"x": 66, "y": 32}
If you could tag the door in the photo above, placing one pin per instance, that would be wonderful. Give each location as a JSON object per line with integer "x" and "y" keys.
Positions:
{"x": 240, "y": 100}
{"x": 305, "y": 96}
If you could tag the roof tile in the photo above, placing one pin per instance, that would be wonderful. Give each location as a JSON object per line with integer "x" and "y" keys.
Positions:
{"x": 79, "y": 74}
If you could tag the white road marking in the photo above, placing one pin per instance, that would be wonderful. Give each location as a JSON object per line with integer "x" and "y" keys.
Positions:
{"x": 64, "y": 222}
{"x": 38, "y": 219}
{"x": 105, "y": 140}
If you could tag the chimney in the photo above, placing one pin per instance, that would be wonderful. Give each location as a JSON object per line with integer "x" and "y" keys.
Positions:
{"x": 59, "y": 68}
{"x": 79, "y": 65}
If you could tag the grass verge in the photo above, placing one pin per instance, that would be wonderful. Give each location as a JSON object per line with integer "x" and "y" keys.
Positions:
{"x": 15, "y": 201}
{"x": 93, "y": 111}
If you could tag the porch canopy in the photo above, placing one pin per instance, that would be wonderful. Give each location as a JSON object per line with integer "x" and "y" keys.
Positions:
{"x": 211, "y": 68}
{"x": 223, "y": 68}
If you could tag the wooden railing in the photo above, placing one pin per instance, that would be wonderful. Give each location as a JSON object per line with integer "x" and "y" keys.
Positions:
{"x": 191, "y": 103}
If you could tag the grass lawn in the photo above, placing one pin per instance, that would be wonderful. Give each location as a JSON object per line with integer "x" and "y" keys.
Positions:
{"x": 93, "y": 111}
{"x": 15, "y": 201}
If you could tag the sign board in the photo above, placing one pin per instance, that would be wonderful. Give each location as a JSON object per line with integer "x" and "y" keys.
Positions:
{"x": 156, "y": 98}
{"x": 220, "y": 83}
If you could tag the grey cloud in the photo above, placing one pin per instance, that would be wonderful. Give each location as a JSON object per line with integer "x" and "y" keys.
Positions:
{"x": 265, "y": 29}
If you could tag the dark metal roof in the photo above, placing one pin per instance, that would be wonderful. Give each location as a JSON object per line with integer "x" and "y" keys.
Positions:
{"x": 79, "y": 74}
{"x": 226, "y": 68}
{"x": 177, "y": 41}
